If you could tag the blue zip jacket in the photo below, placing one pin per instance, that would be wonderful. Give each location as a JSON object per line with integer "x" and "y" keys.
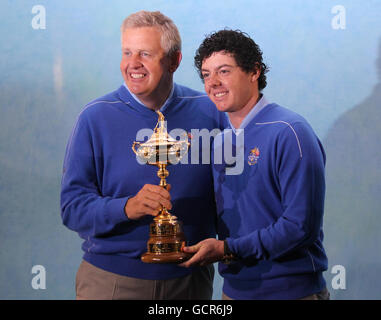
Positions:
{"x": 272, "y": 213}
{"x": 101, "y": 172}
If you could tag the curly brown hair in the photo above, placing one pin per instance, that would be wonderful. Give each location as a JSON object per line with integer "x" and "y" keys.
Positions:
{"x": 245, "y": 51}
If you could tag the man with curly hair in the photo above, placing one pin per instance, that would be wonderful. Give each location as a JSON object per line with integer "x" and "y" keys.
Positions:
{"x": 270, "y": 216}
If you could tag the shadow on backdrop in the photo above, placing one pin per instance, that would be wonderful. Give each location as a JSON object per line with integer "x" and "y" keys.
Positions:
{"x": 45, "y": 81}
{"x": 353, "y": 198}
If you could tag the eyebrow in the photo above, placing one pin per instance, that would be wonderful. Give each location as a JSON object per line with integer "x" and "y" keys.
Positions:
{"x": 219, "y": 67}
{"x": 139, "y": 50}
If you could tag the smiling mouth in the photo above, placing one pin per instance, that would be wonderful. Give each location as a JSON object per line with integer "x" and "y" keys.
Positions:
{"x": 137, "y": 75}
{"x": 220, "y": 94}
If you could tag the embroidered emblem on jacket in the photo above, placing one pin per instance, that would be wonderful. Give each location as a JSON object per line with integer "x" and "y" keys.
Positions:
{"x": 253, "y": 156}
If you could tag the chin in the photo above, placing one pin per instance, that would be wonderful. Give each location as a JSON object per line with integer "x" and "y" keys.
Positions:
{"x": 222, "y": 108}
{"x": 135, "y": 89}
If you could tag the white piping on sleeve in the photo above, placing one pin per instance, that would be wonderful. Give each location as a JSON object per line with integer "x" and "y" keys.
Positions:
{"x": 104, "y": 101}
{"x": 312, "y": 260}
{"x": 192, "y": 97}
{"x": 296, "y": 136}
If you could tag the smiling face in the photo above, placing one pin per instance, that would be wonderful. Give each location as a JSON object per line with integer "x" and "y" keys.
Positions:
{"x": 145, "y": 66}
{"x": 228, "y": 86}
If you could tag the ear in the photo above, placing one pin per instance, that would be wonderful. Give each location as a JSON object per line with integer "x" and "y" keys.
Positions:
{"x": 175, "y": 61}
{"x": 256, "y": 73}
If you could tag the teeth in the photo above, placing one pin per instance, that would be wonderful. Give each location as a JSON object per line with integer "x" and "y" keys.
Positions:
{"x": 137, "y": 75}
{"x": 220, "y": 94}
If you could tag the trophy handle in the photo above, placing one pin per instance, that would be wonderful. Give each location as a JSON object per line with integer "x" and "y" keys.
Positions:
{"x": 133, "y": 147}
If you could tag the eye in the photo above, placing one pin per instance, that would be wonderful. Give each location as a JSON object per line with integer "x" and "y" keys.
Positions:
{"x": 205, "y": 75}
{"x": 127, "y": 53}
{"x": 144, "y": 54}
{"x": 224, "y": 72}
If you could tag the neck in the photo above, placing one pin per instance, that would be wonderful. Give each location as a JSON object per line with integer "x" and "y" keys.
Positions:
{"x": 155, "y": 103}
{"x": 237, "y": 117}
{"x": 157, "y": 98}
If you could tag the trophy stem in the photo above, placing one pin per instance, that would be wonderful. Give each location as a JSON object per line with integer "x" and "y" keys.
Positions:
{"x": 162, "y": 174}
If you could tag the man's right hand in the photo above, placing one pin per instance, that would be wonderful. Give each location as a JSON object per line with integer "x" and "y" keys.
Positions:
{"x": 148, "y": 201}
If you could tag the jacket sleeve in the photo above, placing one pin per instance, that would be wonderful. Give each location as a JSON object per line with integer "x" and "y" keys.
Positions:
{"x": 299, "y": 172}
{"x": 83, "y": 208}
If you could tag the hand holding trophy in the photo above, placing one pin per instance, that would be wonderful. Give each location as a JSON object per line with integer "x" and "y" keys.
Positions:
{"x": 166, "y": 236}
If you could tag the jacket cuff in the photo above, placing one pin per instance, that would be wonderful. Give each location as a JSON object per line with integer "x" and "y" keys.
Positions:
{"x": 115, "y": 210}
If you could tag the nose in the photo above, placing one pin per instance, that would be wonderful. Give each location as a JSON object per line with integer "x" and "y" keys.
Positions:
{"x": 214, "y": 80}
{"x": 134, "y": 61}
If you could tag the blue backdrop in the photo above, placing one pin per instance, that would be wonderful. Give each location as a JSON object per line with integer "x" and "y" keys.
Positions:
{"x": 325, "y": 63}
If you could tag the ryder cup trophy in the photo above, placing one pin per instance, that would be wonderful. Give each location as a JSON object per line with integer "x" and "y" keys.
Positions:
{"x": 166, "y": 236}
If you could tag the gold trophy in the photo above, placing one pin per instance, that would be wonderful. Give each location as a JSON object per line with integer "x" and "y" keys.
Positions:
{"x": 166, "y": 236}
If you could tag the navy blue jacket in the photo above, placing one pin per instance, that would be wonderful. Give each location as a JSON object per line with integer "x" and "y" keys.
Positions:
{"x": 272, "y": 213}
{"x": 101, "y": 173}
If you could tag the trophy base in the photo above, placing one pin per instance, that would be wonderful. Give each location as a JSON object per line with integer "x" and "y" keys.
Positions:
{"x": 175, "y": 257}
{"x": 166, "y": 241}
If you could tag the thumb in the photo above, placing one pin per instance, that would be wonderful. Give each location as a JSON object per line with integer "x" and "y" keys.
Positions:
{"x": 168, "y": 187}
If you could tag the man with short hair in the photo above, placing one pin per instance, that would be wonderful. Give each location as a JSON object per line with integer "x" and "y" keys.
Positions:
{"x": 270, "y": 216}
{"x": 110, "y": 199}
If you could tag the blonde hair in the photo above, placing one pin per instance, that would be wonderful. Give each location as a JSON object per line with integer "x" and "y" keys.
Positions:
{"x": 170, "y": 36}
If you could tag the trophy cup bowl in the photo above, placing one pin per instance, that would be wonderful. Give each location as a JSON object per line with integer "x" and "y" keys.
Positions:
{"x": 166, "y": 236}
